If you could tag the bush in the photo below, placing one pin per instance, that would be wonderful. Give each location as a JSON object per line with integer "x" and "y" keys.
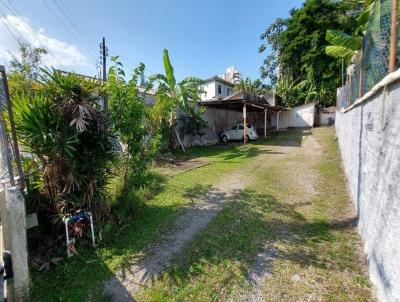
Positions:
{"x": 129, "y": 116}
{"x": 70, "y": 138}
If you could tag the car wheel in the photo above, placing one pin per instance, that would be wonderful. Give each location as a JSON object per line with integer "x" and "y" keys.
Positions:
{"x": 247, "y": 138}
{"x": 224, "y": 139}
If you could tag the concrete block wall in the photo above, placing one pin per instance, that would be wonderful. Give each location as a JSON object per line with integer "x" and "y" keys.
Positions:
{"x": 369, "y": 139}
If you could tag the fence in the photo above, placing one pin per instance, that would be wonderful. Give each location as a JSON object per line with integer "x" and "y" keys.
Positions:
{"x": 379, "y": 54}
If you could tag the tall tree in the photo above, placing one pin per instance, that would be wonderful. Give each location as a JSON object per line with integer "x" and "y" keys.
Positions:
{"x": 271, "y": 36}
{"x": 25, "y": 68}
{"x": 298, "y": 44}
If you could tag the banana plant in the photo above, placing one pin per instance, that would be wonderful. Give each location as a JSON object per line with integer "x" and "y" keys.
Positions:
{"x": 171, "y": 97}
{"x": 183, "y": 93}
{"x": 344, "y": 46}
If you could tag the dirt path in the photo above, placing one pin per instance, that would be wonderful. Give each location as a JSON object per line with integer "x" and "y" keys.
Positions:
{"x": 145, "y": 270}
{"x": 302, "y": 175}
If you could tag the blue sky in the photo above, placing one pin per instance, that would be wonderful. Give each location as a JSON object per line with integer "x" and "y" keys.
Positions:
{"x": 203, "y": 37}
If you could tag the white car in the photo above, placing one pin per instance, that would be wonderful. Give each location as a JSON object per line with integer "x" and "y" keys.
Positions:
{"x": 236, "y": 133}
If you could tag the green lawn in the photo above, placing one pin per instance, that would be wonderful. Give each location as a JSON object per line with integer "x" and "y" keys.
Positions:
{"x": 80, "y": 277}
{"x": 295, "y": 205}
{"x": 316, "y": 247}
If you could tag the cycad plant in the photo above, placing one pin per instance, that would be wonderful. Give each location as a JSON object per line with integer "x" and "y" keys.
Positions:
{"x": 69, "y": 135}
{"x": 172, "y": 97}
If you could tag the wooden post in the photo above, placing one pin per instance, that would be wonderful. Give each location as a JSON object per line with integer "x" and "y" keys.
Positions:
{"x": 277, "y": 121}
{"x": 265, "y": 123}
{"x": 244, "y": 124}
{"x": 342, "y": 72}
{"x": 361, "y": 77}
{"x": 393, "y": 38}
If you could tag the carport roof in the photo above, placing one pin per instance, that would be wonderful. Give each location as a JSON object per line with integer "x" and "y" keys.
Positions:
{"x": 237, "y": 100}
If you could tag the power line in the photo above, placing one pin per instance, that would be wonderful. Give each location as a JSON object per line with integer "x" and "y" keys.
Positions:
{"x": 78, "y": 25}
{"x": 73, "y": 20}
{"x": 4, "y": 20}
{"x": 77, "y": 29}
{"x": 23, "y": 24}
{"x": 89, "y": 49}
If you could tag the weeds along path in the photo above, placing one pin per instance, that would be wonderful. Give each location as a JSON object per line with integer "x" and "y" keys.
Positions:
{"x": 206, "y": 203}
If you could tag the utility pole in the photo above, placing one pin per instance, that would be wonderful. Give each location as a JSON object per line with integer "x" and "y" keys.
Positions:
{"x": 103, "y": 58}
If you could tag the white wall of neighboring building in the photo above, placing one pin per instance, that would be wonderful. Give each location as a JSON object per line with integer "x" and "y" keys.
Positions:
{"x": 210, "y": 89}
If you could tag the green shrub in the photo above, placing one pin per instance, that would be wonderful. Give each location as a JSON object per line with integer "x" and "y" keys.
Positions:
{"x": 70, "y": 138}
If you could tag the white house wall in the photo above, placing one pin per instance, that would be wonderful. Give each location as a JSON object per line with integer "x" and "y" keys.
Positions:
{"x": 211, "y": 90}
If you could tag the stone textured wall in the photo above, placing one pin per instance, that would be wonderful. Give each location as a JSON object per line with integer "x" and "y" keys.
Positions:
{"x": 369, "y": 139}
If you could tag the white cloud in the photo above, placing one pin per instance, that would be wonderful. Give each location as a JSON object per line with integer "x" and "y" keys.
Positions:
{"x": 60, "y": 54}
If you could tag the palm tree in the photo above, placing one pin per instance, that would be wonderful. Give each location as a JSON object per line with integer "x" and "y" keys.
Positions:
{"x": 255, "y": 87}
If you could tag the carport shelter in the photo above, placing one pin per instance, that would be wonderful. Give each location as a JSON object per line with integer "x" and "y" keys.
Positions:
{"x": 241, "y": 107}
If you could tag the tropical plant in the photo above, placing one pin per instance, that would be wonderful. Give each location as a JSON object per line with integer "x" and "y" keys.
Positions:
{"x": 70, "y": 137}
{"x": 294, "y": 92}
{"x": 172, "y": 98}
{"x": 287, "y": 89}
{"x": 344, "y": 46}
{"x": 255, "y": 87}
{"x": 129, "y": 119}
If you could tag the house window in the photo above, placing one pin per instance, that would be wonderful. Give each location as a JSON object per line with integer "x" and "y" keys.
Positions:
{"x": 219, "y": 89}
{"x": 228, "y": 91}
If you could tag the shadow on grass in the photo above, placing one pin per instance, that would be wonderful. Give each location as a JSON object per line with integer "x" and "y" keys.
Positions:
{"x": 240, "y": 232}
{"x": 196, "y": 192}
{"x": 226, "y": 152}
{"x": 286, "y": 138}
